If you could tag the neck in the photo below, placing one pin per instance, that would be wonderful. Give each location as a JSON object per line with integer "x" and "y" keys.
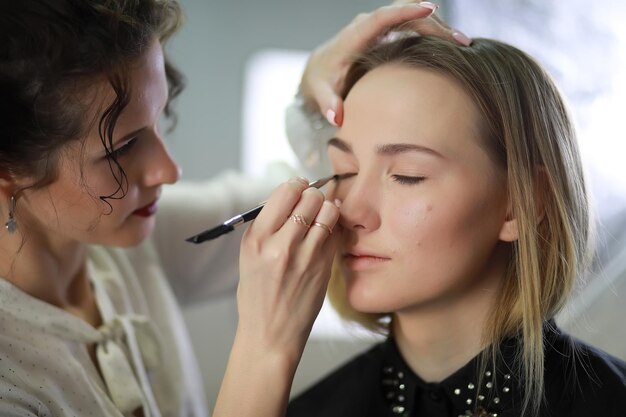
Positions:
{"x": 54, "y": 272}
{"x": 437, "y": 345}
{"x": 437, "y": 340}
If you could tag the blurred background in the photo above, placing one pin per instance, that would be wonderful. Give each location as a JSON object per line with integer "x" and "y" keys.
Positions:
{"x": 242, "y": 60}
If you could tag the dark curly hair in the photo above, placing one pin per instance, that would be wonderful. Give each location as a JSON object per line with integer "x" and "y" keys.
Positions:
{"x": 52, "y": 51}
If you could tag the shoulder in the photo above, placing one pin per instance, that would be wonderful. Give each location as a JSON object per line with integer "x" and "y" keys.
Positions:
{"x": 337, "y": 393}
{"x": 584, "y": 379}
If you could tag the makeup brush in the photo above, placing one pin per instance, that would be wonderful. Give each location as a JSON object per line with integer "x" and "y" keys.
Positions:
{"x": 230, "y": 224}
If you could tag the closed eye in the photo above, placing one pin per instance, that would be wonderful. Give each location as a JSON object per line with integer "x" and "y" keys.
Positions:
{"x": 122, "y": 150}
{"x": 407, "y": 180}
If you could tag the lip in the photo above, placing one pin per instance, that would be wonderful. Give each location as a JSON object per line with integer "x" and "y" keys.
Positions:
{"x": 147, "y": 210}
{"x": 359, "y": 260}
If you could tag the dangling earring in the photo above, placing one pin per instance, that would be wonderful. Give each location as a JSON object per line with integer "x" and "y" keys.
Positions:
{"x": 11, "y": 224}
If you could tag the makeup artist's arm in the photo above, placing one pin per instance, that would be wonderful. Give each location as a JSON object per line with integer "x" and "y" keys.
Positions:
{"x": 285, "y": 268}
{"x": 317, "y": 106}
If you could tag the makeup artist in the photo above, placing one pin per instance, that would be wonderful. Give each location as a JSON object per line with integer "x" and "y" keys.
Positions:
{"x": 93, "y": 262}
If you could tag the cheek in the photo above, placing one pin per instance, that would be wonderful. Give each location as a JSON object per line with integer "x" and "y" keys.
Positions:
{"x": 106, "y": 186}
{"x": 432, "y": 227}
{"x": 459, "y": 228}
{"x": 78, "y": 196}
{"x": 413, "y": 223}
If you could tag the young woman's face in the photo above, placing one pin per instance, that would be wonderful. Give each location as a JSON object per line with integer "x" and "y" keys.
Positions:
{"x": 422, "y": 219}
{"x": 70, "y": 207}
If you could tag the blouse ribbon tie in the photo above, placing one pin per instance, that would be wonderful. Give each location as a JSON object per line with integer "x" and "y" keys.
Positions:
{"x": 127, "y": 382}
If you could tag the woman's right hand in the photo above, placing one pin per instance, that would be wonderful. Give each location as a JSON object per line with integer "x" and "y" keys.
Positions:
{"x": 285, "y": 265}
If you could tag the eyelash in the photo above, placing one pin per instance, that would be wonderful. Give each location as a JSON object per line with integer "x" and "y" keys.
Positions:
{"x": 122, "y": 150}
{"x": 406, "y": 180}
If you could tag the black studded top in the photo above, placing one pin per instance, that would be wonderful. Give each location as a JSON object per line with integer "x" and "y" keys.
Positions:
{"x": 579, "y": 381}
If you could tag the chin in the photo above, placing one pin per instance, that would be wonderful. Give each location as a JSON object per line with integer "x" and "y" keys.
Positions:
{"x": 365, "y": 300}
{"x": 134, "y": 236}
{"x": 132, "y": 242}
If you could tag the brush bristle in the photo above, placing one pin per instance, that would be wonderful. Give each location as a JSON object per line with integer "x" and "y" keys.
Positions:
{"x": 210, "y": 234}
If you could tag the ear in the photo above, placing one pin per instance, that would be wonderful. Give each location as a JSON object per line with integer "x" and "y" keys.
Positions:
{"x": 510, "y": 228}
{"x": 7, "y": 185}
{"x": 509, "y": 232}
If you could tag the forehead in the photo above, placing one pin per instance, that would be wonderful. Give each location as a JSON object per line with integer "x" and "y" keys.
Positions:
{"x": 147, "y": 88}
{"x": 410, "y": 104}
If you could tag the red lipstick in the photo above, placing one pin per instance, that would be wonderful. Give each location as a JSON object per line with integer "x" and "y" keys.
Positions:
{"x": 146, "y": 211}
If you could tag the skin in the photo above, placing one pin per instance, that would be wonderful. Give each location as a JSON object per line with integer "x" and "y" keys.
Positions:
{"x": 425, "y": 220}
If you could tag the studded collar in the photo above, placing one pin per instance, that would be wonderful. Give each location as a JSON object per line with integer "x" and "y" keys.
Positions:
{"x": 466, "y": 393}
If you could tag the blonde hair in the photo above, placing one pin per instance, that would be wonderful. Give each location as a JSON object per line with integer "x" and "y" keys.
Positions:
{"x": 528, "y": 132}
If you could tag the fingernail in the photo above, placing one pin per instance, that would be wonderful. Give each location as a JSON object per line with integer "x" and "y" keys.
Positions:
{"x": 301, "y": 180}
{"x": 428, "y": 5}
{"x": 330, "y": 116}
{"x": 337, "y": 202}
{"x": 461, "y": 38}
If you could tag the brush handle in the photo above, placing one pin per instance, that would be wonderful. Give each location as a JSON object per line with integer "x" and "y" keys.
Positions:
{"x": 252, "y": 213}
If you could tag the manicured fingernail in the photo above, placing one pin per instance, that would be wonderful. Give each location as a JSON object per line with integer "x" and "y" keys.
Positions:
{"x": 337, "y": 202}
{"x": 428, "y": 5}
{"x": 461, "y": 38}
{"x": 330, "y": 116}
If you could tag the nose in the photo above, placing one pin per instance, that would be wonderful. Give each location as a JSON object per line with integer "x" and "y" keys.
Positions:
{"x": 359, "y": 204}
{"x": 161, "y": 168}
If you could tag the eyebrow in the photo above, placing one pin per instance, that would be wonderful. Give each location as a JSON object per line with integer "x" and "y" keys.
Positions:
{"x": 388, "y": 149}
{"x": 129, "y": 136}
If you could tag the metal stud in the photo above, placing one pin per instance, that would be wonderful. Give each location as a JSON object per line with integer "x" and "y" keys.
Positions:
{"x": 457, "y": 391}
{"x": 481, "y": 397}
{"x": 489, "y": 384}
{"x": 402, "y": 387}
{"x": 398, "y": 409}
{"x": 401, "y": 398}
{"x": 470, "y": 386}
{"x": 468, "y": 401}
{"x": 400, "y": 375}
{"x": 496, "y": 400}
{"x": 506, "y": 389}
{"x": 488, "y": 374}
{"x": 507, "y": 376}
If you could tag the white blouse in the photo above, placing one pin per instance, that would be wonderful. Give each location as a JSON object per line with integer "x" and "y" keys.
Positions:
{"x": 143, "y": 349}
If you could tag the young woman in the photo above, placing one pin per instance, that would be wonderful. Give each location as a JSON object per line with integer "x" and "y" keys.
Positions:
{"x": 462, "y": 235}
{"x": 89, "y": 324}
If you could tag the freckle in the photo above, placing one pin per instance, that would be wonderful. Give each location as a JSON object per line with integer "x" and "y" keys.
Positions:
{"x": 429, "y": 208}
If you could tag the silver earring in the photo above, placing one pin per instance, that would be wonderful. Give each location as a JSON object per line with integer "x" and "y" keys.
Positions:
{"x": 11, "y": 224}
